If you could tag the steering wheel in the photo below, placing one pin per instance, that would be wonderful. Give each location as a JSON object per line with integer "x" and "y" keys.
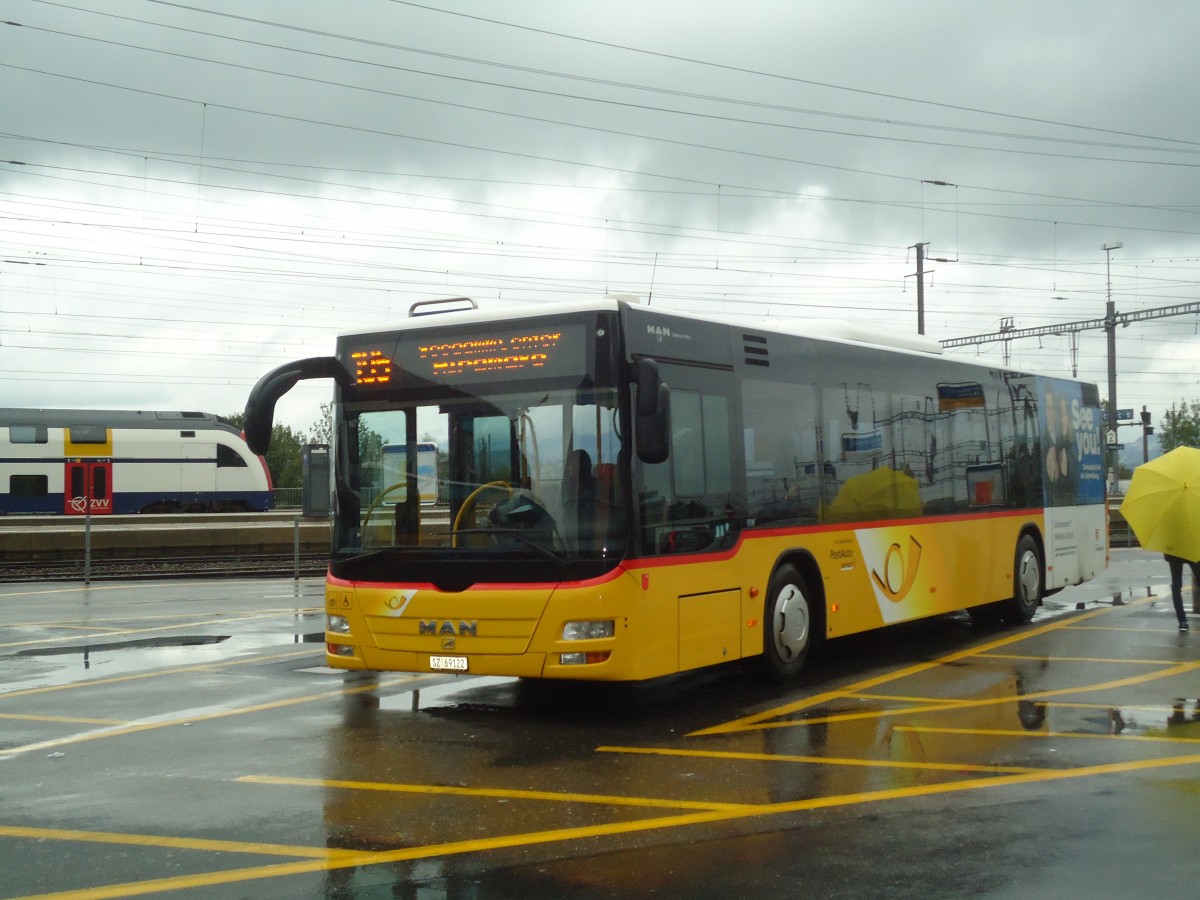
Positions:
{"x": 378, "y": 499}
{"x": 468, "y": 506}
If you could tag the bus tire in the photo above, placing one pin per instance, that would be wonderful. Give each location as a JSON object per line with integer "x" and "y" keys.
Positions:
{"x": 788, "y": 621}
{"x": 1028, "y": 581}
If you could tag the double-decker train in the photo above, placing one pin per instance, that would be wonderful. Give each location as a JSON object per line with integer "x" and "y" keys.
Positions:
{"x": 104, "y": 462}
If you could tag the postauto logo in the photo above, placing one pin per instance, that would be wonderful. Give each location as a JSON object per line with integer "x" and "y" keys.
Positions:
{"x": 893, "y": 558}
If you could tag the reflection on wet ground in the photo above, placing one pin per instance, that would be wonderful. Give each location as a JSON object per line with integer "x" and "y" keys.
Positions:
{"x": 68, "y": 663}
{"x": 941, "y": 747}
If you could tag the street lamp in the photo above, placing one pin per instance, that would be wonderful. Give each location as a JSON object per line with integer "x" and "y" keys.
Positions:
{"x": 1110, "y": 326}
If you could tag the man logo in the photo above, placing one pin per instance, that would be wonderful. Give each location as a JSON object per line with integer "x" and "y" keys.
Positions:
{"x": 446, "y": 628}
{"x": 898, "y": 573}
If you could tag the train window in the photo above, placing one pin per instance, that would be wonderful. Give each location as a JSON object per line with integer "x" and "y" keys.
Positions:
{"x": 89, "y": 434}
{"x": 77, "y": 486}
{"x": 27, "y": 434}
{"x": 184, "y": 434}
{"x": 28, "y": 485}
{"x": 100, "y": 483}
{"x": 228, "y": 458}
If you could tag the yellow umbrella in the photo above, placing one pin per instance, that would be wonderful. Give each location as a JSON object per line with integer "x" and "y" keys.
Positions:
{"x": 1162, "y": 505}
{"x": 880, "y": 493}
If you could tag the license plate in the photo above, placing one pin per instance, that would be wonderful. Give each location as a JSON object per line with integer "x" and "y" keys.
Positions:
{"x": 448, "y": 663}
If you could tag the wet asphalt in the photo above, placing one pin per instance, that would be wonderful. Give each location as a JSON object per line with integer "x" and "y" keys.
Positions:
{"x": 184, "y": 739}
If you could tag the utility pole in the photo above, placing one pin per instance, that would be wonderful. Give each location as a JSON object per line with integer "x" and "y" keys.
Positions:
{"x": 920, "y": 248}
{"x": 1147, "y": 430}
{"x": 1110, "y": 328}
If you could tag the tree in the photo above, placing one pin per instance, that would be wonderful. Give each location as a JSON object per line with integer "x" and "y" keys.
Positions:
{"x": 322, "y": 429}
{"x": 1180, "y": 427}
{"x": 284, "y": 455}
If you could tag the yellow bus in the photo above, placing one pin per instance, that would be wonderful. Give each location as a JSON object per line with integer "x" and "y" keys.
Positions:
{"x": 626, "y": 492}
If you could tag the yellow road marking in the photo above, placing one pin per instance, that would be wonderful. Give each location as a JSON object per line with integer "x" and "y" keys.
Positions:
{"x": 763, "y": 720}
{"x": 173, "y": 843}
{"x": 948, "y": 706}
{"x": 1041, "y": 657}
{"x": 502, "y": 793}
{"x": 132, "y": 586}
{"x": 168, "y": 617}
{"x": 90, "y": 629}
{"x": 201, "y": 623}
{"x": 748, "y": 722}
{"x": 138, "y": 727}
{"x": 818, "y": 760}
{"x": 159, "y": 673}
{"x": 529, "y": 839}
{"x": 1005, "y": 732}
{"x": 66, "y": 720}
{"x": 900, "y": 698}
{"x": 76, "y": 589}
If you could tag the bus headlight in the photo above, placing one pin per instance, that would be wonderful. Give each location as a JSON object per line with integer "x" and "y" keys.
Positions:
{"x": 588, "y": 631}
{"x": 337, "y": 624}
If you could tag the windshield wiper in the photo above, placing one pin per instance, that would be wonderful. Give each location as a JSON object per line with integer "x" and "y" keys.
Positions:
{"x": 541, "y": 549}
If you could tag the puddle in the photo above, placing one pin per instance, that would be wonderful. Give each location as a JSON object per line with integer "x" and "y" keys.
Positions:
{"x": 64, "y": 664}
{"x": 141, "y": 643}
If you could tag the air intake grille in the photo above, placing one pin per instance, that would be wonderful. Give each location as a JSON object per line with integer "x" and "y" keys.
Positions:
{"x": 755, "y": 348}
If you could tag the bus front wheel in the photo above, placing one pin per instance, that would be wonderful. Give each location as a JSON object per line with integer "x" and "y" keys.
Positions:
{"x": 787, "y": 625}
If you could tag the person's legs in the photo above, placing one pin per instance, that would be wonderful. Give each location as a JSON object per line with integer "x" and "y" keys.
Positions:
{"x": 1183, "y": 622}
{"x": 1176, "y": 565}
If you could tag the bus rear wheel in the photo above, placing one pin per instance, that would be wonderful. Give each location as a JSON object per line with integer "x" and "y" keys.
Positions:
{"x": 1028, "y": 579}
{"x": 787, "y": 625}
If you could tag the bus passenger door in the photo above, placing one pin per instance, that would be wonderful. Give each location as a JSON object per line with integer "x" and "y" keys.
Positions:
{"x": 692, "y": 507}
{"x": 88, "y": 487}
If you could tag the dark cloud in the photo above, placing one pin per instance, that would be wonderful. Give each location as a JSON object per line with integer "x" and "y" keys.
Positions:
{"x": 193, "y": 193}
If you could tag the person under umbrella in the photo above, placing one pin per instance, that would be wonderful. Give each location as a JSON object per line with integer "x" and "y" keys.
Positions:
{"x": 1162, "y": 507}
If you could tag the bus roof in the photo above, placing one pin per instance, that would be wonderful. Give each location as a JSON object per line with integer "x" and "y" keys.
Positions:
{"x": 835, "y": 330}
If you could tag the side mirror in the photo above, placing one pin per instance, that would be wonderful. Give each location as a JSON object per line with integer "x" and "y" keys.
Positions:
{"x": 652, "y": 418}
{"x": 260, "y": 406}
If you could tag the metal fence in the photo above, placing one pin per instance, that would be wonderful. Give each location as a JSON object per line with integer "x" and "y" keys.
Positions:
{"x": 288, "y": 498}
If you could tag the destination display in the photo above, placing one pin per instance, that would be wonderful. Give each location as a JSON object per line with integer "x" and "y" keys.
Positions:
{"x": 496, "y": 354}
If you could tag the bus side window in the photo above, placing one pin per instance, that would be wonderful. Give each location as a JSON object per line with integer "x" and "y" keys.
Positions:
{"x": 786, "y": 472}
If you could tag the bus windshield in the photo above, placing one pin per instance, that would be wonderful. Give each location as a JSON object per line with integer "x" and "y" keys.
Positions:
{"x": 521, "y": 482}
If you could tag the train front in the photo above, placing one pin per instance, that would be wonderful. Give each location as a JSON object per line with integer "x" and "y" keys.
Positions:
{"x": 481, "y": 497}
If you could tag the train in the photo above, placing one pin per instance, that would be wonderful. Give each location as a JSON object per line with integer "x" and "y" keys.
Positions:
{"x": 114, "y": 462}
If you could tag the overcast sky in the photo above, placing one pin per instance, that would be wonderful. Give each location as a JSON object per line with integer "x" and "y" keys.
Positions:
{"x": 192, "y": 193}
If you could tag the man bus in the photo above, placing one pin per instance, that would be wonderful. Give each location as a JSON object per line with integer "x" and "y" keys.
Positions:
{"x": 633, "y": 492}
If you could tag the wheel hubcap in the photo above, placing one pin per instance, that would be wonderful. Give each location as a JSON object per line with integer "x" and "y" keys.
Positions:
{"x": 791, "y": 622}
{"x": 1029, "y": 577}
